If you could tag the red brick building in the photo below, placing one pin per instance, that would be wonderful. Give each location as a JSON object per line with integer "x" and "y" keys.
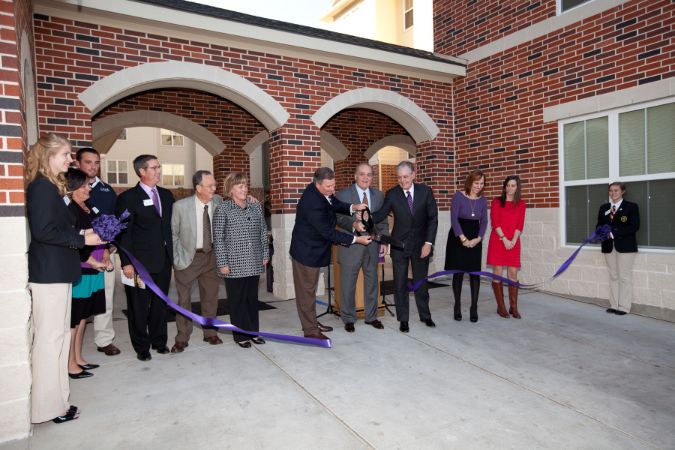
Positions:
{"x": 570, "y": 95}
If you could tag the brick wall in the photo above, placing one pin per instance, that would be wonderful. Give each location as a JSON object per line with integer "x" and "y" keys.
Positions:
{"x": 358, "y": 129}
{"x": 72, "y": 55}
{"x": 388, "y": 173}
{"x": 499, "y": 113}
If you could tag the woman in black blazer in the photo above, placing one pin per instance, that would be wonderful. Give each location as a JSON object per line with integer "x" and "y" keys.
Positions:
{"x": 53, "y": 265}
{"x": 623, "y": 217}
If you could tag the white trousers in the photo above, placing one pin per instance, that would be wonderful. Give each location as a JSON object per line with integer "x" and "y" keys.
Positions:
{"x": 104, "y": 333}
{"x": 620, "y": 279}
{"x": 51, "y": 345}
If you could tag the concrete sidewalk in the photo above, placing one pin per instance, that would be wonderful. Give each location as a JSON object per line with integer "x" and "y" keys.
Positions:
{"x": 567, "y": 375}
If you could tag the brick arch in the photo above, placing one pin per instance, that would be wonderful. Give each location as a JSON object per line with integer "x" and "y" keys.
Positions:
{"x": 176, "y": 74}
{"x": 399, "y": 108}
{"x": 105, "y": 130}
{"x": 396, "y": 140}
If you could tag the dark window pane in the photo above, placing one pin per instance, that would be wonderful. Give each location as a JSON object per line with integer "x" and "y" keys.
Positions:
{"x": 661, "y": 213}
{"x": 598, "y": 194}
{"x": 576, "y": 211}
{"x": 568, "y": 4}
{"x": 123, "y": 178}
{"x": 638, "y": 192}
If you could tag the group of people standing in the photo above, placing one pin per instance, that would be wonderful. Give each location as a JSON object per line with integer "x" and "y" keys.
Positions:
{"x": 204, "y": 237}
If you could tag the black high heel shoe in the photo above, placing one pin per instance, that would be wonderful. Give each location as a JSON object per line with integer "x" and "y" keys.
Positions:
{"x": 88, "y": 366}
{"x": 244, "y": 344}
{"x": 258, "y": 340}
{"x": 72, "y": 414}
{"x": 83, "y": 374}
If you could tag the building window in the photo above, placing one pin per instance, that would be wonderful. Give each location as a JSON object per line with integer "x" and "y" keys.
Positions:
{"x": 123, "y": 135}
{"x": 171, "y": 138}
{"x": 173, "y": 175}
{"x": 407, "y": 14}
{"x": 117, "y": 172}
{"x": 633, "y": 145}
{"x": 566, "y": 5}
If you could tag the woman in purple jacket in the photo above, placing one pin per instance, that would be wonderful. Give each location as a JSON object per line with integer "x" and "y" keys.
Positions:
{"x": 468, "y": 216}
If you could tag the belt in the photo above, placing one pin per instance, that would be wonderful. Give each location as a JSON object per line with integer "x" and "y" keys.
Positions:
{"x": 199, "y": 250}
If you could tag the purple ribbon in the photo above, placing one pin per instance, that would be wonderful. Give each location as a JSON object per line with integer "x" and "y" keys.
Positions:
{"x": 600, "y": 234}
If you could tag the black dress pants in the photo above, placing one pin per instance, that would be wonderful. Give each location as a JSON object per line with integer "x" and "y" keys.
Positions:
{"x": 242, "y": 299}
{"x": 420, "y": 269}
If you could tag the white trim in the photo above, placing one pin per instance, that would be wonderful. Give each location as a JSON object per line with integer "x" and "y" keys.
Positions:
{"x": 127, "y": 14}
{"x": 540, "y": 29}
{"x": 399, "y": 108}
{"x": 176, "y": 74}
{"x": 111, "y": 125}
{"x": 395, "y": 140}
{"x": 333, "y": 146}
{"x": 256, "y": 141}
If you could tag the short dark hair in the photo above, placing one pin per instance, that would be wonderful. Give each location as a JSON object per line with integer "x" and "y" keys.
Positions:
{"x": 197, "y": 177}
{"x": 474, "y": 175}
{"x": 141, "y": 162}
{"x": 75, "y": 179}
{"x": 323, "y": 173}
{"x": 621, "y": 185}
{"x": 83, "y": 150}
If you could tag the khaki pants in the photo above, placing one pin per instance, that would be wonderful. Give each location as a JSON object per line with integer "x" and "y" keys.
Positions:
{"x": 306, "y": 279}
{"x": 104, "y": 333}
{"x": 620, "y": 279}
{"x": 51, "y": 309}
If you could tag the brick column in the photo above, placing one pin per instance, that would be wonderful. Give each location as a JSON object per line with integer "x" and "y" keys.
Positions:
{"x": 295, "y": 153}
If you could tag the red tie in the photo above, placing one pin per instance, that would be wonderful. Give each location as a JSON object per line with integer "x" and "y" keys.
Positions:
{"x": 611, "y": 214}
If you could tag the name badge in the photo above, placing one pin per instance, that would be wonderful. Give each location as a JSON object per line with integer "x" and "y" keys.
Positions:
{"x": 148, "y": 202}
{"x": 95, "y": 210}
{"x": 66, "y": 200}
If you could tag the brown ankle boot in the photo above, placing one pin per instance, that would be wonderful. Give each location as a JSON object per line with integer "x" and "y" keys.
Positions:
{"x": 513, "y": 301}
{"x": 498, "y": 288}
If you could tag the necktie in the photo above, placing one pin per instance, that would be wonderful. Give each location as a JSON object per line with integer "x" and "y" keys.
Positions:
{"x": 365, "y": 198}
{"x": 207, "y": 244}
{"x": 155, "y": 201}
{"x": 410, "y": 201}
{"x": 611, "y": 214}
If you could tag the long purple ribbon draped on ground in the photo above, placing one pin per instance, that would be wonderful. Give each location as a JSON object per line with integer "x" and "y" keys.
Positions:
{"x": 599, "y": 235}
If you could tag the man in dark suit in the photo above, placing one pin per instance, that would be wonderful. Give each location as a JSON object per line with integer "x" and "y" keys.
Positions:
{"x": 415, "y": 225}
{"x": 356, "y": 257}
{"x": 313, "y": 235}
{"x": 620, "y": 249}
{"x": 148, "y": 238}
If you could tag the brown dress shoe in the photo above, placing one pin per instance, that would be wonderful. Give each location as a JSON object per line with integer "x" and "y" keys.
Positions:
{"x": 178, "y": 347}
{"x": 109, "y": 350}
{"x": 375, "y": 324}
{"x": 213, "y": 340}
{"x": 323, "y": 328}
{"x": 316, "y": 335}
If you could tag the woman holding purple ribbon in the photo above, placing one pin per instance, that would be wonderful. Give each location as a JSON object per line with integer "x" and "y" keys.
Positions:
{"x": 53, "y": 265}
{"x": 89, "y": 290}
{"x": 468, "y": 216}
{"x": 242, "y": 252}
{"x": 507, "y": 214}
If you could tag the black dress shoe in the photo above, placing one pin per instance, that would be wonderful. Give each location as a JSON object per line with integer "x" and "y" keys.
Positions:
{"x": 349, "y": 328}
{"x": 324, "y": 328}
{"x": 404, "y": 327}
{"x": 611, "y": 310}
{"x": 144, "y": 356}
{"x": 245, "y": 344}
{"x": 258, "y": 340}
{"x": 620, "y": 313}
{"x": 88, "y": 366}
{"x": 458, "y": 317}
{"x": 430, "y": 323}
{"x": 163, "y": 350}
{"x": 376, "y": 324}
{"x": 72, "y": 414}
{"x": 83, "y": 374}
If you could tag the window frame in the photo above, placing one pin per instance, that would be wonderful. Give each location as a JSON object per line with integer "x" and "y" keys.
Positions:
{"x": 614, "y": 163}
{"x": 172, "y": 175}
{"x": 405, "y": 11}
{"x": 173, "y": 135}
{"x": 117, "y": 172}
{"x": 559, "y": 6}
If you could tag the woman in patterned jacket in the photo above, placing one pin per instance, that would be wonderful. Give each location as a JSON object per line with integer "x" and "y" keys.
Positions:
{"x": 242, "y": 252}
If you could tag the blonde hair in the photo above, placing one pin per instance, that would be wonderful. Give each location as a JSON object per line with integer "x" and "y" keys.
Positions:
{"x": 232, "y": 180}
{"x": 38, "y": 160}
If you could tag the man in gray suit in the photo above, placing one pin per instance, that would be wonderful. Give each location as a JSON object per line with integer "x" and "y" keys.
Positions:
{"x": 356, "y": 257}
{"x": 193, "y": 255}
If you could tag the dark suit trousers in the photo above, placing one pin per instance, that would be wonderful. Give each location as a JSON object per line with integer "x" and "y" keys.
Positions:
{"x": 147, "y": 312}
{"x": 420, "y": 269}
{"x": 305, "y": 280}
{"x": 203, "y": 271}
{"x": 242, "y": 299}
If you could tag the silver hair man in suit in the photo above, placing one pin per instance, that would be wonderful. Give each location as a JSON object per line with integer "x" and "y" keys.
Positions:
{"x": 193, "y": 255}
{"x": 356, "y": 257}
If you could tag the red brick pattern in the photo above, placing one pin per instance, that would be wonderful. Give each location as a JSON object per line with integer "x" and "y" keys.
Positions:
{"x": 15, "y": 18}
{"x": 499, "y": 112}
{"x": 72, "y": 55}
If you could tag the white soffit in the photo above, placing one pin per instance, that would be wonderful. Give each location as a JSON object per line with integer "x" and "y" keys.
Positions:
{"x": 127, "y": 14}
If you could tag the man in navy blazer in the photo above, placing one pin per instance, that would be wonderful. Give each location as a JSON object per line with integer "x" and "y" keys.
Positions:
{"x": 148, "y": 238}
{"x": 620, "y": 249}
{"x": 313, "y": 235}
{"x": 415, "y": 225}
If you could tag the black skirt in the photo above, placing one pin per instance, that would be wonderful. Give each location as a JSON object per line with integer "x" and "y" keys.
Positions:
{"x": 458, "y": 257}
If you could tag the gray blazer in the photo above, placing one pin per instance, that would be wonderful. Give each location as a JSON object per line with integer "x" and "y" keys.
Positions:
{"x": 354, "y": 253}
{"x": 184, "y": 230}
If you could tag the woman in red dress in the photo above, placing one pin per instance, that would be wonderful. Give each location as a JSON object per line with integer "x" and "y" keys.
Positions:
{"x": 507, "y": 215}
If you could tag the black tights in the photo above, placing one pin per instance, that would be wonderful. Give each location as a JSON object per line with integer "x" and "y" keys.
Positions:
{"x": 474, "y": 283}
